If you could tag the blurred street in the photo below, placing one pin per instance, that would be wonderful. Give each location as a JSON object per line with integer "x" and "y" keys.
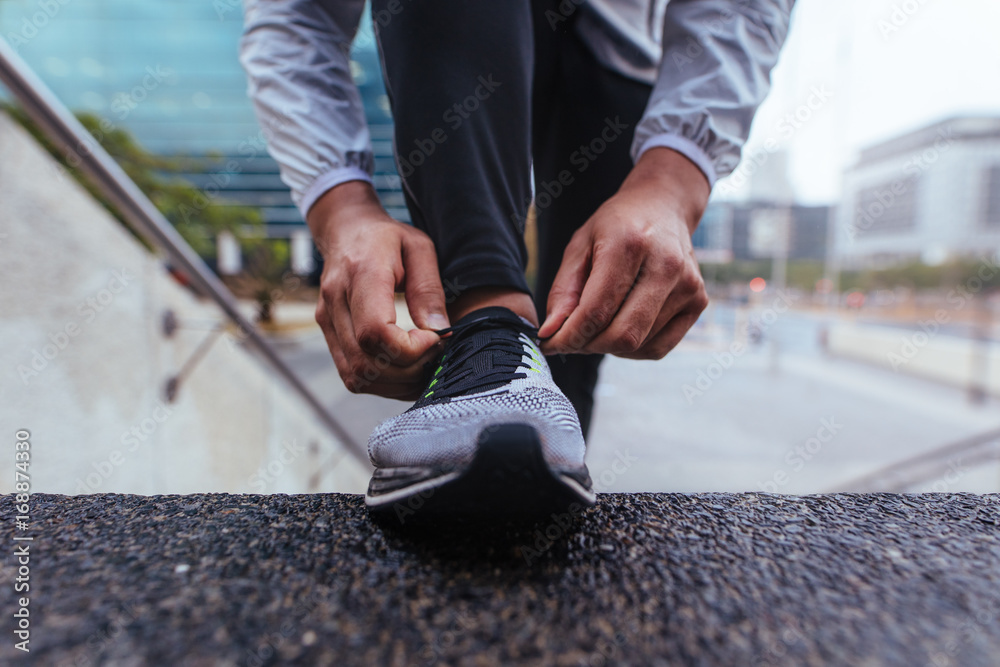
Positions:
{"x": 789, "y": 419}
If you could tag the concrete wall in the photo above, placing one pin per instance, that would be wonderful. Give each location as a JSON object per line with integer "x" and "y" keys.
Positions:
{"x": 948, "y": 359}
{"x": 83, "y": 361}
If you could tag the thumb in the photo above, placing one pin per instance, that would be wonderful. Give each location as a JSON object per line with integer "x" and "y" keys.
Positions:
{"x": 566, "y": 289}
{"x": 424, "y": 293}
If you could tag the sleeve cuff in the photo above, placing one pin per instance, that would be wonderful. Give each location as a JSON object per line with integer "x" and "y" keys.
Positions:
{"x": 685, "y": 147}
{"x": 328, "y": 180}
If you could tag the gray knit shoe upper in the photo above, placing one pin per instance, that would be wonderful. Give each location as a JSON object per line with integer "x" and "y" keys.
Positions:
{"x": 491, "y": 373}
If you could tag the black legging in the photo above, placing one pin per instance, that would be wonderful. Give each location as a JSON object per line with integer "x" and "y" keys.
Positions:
{"x": 478, "y": 88}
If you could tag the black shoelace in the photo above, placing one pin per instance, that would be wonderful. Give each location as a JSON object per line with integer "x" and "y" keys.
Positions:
{"x": 480, "y": 353}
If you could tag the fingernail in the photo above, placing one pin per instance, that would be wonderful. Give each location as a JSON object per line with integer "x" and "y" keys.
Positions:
{"x": 437, "y": 321}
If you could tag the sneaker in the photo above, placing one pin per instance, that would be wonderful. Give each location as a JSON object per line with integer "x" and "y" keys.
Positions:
{"x": 492, "y": 436}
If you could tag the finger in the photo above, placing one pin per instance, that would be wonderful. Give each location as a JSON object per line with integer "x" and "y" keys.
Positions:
{"x": 407, "y": 390}
{"x": 667, "y": 339}
{"x": 359, "y": 369}
{"x": 325, "y": 322}
{"x": 564, "y": 295}
{"x": 688, "y": 293}
{"x": 636, "y": 318}
{"x": 424, "y": 293}
{"x": 610, "y": 281}
{"x": 372, "y": 318}
{"x": 322, "y": 315}
{"x": 378, "y": 368}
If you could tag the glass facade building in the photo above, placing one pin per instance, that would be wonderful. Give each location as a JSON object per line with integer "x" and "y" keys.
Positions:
{"x": 168, "y": 72}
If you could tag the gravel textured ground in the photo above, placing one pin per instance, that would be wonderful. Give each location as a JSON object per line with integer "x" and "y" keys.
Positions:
{"x": 643, "y": 579}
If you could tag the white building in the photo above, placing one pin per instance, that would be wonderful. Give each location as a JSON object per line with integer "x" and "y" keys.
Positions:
{"x": 932, "y": 194}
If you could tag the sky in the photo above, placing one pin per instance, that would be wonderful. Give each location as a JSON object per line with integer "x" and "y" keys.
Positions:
{"x": 884, "y": 67}
{"x": 872, "y": 69}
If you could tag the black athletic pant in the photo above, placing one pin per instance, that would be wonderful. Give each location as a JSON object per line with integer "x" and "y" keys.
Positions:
{"x": 481, "y": 90}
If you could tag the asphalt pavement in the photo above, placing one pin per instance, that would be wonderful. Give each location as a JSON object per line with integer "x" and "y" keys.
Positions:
{"x": 643, "y": 579}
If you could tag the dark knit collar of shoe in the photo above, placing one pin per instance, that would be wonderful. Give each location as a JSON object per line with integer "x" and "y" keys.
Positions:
{"x": 490, "y": 317}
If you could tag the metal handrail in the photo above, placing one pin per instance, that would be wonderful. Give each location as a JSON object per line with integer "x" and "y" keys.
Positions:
{"x": 62, "y": 128}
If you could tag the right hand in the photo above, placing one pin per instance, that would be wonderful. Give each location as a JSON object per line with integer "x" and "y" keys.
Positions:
{"x": 368, "y": 256}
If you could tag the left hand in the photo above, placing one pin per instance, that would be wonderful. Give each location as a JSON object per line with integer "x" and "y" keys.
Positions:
{"x": 629, "y": 284}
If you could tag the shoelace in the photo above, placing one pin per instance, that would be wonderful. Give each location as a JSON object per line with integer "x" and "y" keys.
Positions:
{"x": 480, "y": 354}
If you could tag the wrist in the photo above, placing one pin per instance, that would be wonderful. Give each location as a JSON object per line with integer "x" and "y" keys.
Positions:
{"x": 671, "y": 180}
{"x": 342, "y": 204}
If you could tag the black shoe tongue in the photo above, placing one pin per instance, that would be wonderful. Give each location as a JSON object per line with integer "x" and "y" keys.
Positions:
{"x": 493, "y": 313}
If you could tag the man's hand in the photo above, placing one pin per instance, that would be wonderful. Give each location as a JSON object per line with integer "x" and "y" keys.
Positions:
{"x": 629, "y": 284}
{"x": 368, "y": 256}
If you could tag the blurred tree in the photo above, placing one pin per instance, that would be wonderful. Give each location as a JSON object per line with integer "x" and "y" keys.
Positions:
{"x": 918, "y": 276}
{"x": 198, "y": 216}
{"x": 803, "y": 274}
{"x": 265, "y": 275}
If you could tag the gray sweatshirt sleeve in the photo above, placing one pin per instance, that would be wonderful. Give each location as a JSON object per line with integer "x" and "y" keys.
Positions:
{"x": 715, "y": 72}
{"x": 296, "y": 56}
